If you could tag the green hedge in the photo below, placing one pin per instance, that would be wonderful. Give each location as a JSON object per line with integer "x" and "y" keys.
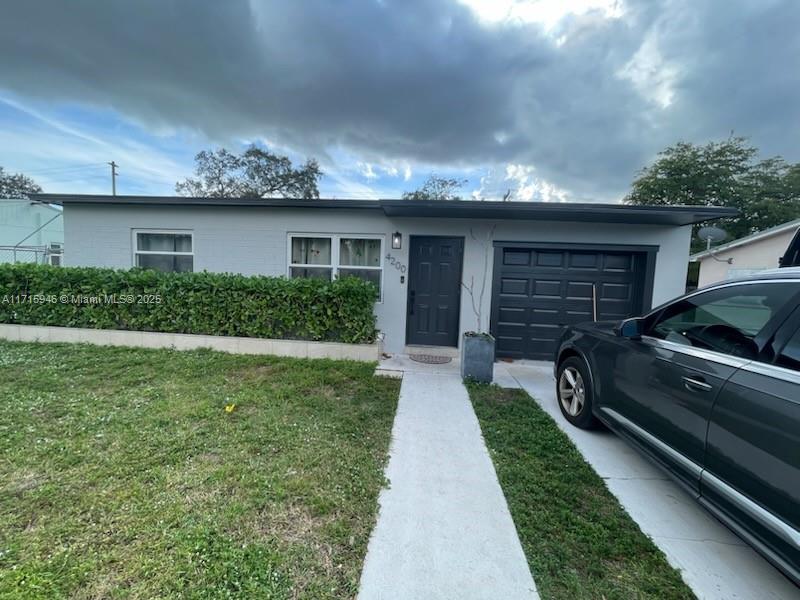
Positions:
{"x": 205, "y": 303}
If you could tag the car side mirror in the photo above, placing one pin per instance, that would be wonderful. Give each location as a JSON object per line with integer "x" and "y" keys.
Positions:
{"x": 631, "y": 328}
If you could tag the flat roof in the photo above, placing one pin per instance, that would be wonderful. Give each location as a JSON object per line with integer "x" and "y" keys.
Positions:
{"x": 452, "y": 209}
{"x": 34, "y": 202}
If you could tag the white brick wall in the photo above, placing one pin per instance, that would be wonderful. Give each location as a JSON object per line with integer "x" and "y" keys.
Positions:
{"x": 252, "y": 240}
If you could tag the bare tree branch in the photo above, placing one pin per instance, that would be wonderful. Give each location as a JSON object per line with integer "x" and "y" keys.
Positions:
{"x": 486, "y": 246}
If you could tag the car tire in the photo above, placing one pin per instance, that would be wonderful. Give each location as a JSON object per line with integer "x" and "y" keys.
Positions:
{"x": 574, "y": 393}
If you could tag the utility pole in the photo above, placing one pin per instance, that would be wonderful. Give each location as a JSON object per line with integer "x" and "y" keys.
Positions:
{"x": 113, "y": 178}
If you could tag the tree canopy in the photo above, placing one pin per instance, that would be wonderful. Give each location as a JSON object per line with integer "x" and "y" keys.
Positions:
{"x": 437, "y": 188}
{"x": 256, "y": 173}
{"x": 17, "y": 185}
{"x": 726, "y": 173}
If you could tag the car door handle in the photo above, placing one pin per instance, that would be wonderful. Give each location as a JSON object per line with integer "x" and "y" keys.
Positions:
{"x": 696, "y": 384}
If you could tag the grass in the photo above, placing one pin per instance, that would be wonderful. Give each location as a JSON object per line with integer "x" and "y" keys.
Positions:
{"x": 579, "y": 541}
{"x": 123, "y": 476}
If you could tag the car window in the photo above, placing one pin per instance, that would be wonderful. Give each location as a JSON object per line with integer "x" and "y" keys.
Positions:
{"x": 790, "y": 355}
{"x": 726, "y": 320}
{"x": 792, "y": 256}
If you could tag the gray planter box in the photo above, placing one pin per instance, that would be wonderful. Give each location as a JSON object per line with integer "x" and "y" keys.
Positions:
{"x": 477, "y": 357}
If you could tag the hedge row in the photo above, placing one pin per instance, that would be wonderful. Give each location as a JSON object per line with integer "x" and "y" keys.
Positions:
{"x": 203, "y": 303}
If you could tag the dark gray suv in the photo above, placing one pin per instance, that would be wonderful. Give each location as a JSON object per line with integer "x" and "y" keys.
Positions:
{"x": 708, "y": 386}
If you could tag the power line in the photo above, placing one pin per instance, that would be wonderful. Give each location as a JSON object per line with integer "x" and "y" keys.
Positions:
{"x": 166, "y": 179}
{"x": 64, "y": 168}
{"x": 76, "y": 178}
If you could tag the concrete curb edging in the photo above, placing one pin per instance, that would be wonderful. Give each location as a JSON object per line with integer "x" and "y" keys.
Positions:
{"x": 186, "y": 341}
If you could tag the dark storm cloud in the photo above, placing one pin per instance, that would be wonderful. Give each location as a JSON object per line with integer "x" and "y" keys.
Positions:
{"x": 740, "y": 70}
{"x": 421, "y": 80}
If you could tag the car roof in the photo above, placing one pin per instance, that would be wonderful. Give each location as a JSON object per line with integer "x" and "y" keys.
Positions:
{"x": 783, "y": 273}
{"x": 786, "y": 273}
{"x": 790, "y": 273}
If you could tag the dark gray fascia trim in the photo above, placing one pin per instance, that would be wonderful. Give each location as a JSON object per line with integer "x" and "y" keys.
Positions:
{"x": 453, "y": 209}
{"x": 556, "y": 211}
{"x": 187, "y": 201}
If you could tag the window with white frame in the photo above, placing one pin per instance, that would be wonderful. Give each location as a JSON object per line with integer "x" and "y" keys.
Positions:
{"x": 169, "y": 251}
{"x": 54, "y": 254}
{"x": 329, "y": 256}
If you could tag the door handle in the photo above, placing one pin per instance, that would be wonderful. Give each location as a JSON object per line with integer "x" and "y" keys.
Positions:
{"x": 411, "y": 296}
{"x": 696, "y": 384}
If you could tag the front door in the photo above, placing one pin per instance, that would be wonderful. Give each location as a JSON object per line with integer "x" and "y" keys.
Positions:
{"x": 434, "y": 290}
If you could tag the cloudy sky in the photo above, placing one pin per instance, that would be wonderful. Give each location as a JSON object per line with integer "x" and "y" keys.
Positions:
{"x": 556, "y": 99}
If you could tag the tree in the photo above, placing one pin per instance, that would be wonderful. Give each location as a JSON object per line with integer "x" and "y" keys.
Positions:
{"x": 17, "y": 185}
{"x": 437, "y": 188}
{"x": 727, "y": 173}
{"x": 256, "y": 173}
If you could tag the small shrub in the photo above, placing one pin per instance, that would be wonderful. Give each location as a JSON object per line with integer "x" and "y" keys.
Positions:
{"x": 202, "y": 303}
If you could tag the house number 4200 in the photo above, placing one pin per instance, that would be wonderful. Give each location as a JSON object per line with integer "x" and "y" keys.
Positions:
{"x": 396, "y": 263}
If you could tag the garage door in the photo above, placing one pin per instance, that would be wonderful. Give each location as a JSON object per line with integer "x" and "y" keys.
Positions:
{"x": 536, "y": 291}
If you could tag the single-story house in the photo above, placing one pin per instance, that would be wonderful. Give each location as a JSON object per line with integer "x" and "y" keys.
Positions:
{"x": 547, "y": 264}
{"x": 30, "y": 231}
{"x": 746, "y": 255}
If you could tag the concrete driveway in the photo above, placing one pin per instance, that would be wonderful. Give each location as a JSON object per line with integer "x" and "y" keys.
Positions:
{"x": 713, "y": 561}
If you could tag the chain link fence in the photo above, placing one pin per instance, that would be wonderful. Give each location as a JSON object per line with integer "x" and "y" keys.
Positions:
{"x": 42, "y": 255}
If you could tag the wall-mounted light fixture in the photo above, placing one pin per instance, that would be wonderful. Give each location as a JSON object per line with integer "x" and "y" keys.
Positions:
{"x": 397, "y": 240}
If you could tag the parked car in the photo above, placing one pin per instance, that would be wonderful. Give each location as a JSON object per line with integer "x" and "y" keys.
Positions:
{"x": 708, "y": 386}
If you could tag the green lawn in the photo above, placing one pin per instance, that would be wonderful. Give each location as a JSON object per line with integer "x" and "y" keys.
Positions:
{"x": 579, "y": 541}
{"x": 123, "y": 476}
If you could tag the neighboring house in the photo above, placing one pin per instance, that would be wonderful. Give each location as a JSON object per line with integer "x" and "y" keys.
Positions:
{"x": 549, "y": 264}
{"x": 30, "y": 231}
{"x": 746, "y": 255}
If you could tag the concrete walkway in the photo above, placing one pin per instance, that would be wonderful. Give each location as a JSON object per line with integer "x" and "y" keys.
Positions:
{"x": 444, "y": 529}
{"x": 714, "y": 563}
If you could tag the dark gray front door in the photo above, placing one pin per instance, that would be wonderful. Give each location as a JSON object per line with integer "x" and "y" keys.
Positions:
{"x": 434, "y": 290}
{"x": 539, "y": 290}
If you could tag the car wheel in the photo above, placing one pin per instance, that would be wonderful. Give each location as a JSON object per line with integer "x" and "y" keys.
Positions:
{"x": 575, "y": 394}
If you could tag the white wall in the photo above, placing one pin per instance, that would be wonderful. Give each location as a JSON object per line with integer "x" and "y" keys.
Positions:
{"x": 254, "y": 241}
{"x": 748, "y": 258}
{"x": 21, "y": 218}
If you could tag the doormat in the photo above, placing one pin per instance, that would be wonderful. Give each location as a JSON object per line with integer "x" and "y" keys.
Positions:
{"x": 430, "y": 359}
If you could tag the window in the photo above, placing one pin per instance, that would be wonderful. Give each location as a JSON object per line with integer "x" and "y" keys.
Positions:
{"x": 328, "y": 256}
{"x": 792, "y": 256}
{"x": 54, "y": 254}
{"x": 790, "y": 355}
{"x": 311, "y": 257}
{"x": 361, "y": 257}
{"x": 169, "y": 251}
{"x": 725, "y": 320}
